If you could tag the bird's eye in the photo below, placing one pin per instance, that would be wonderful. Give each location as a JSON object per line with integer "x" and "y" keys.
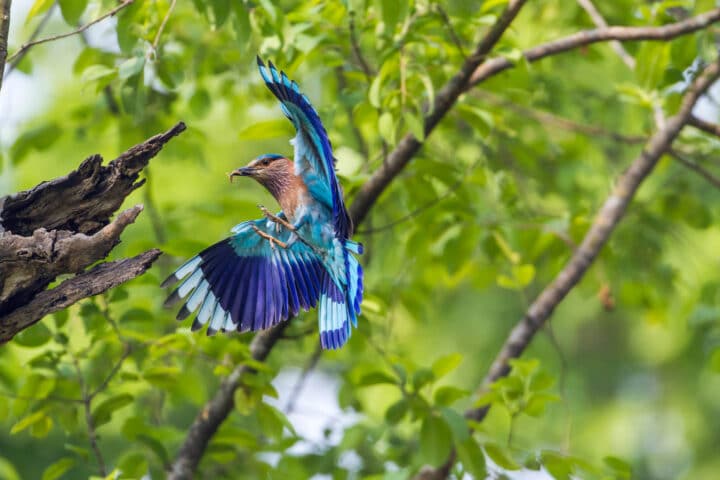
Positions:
{"x": 266, "y": 162}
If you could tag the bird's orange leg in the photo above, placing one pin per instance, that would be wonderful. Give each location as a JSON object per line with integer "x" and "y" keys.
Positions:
{"x": 273, "y": 241}
{"x": 276, "y": 219}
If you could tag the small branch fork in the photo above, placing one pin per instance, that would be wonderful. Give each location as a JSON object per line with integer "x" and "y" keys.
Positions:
{"x": 77, "y": 31}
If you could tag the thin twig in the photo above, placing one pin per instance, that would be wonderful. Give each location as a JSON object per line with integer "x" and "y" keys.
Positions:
{"x": 357, "y": 51}
{"x": 297, "y": 388}
{"x": 561, "y": 122}
{"x": 580, "y": 39}
{"x": 451, "y": 30}
{"x": 707, "y": 175}
{"x": 40, "y": 26}
{"x": 87, "y": 406}
{"x": 156, "y": 41}
{"x": 600, "y": 22}
{"x": 78, "y": 30}
{"x": 705, "y": 126}
{"x": 114, "y": 371}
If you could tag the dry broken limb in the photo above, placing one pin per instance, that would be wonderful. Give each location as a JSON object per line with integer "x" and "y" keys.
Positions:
{"x": 63, "y": 226}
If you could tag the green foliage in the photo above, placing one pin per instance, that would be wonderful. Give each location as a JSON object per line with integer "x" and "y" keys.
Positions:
{"x": 479, "y": 222}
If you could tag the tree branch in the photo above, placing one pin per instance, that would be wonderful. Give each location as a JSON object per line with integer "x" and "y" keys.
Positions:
{"x": 707, "y": 175}
{"x": 4, "y": 30}
{"x": 63, "y": 226}
{"x": 705, "y": 126}
{"x": 580, "y": 39}
{"x": 97, "y": 280}
{"x": 597, "y": 236}
{"x": 40, "y": 26}
{"x": 600, "y": 22}
{"x": 78, "y": 30}
{"x": 219, "y": 407}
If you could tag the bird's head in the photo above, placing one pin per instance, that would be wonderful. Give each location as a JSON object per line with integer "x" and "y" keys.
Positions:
{"x": 265, "y": 169}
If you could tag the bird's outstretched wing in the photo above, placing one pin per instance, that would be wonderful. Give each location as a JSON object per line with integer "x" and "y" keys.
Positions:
{"x": 243, "y": 283}
{"x": 314, "y": 159}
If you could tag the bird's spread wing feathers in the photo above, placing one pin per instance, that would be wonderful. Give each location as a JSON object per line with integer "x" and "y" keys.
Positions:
{"x": 314, "y": 160}
{"x": 243, "y": 283}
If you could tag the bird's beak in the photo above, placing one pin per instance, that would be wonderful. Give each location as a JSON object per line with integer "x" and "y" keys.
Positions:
{"x": 241, "y": 172}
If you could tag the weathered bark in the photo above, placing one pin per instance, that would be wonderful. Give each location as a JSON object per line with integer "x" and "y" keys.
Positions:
{"x": 62, "y": 227}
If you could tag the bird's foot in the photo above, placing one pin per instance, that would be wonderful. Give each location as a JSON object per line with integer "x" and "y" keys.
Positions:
{"x": 273, "y": 241}
{"x": 278, "y": 220}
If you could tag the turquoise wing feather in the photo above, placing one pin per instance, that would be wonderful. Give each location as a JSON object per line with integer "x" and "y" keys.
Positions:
{"x": 243, "y": 283}
{"x": 314, "y": 159}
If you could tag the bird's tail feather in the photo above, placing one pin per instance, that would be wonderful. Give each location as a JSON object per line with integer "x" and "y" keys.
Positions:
{"x": 339, "y": 308}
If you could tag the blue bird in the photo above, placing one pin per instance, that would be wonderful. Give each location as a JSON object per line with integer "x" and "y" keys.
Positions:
{"x": 273, "y": 267}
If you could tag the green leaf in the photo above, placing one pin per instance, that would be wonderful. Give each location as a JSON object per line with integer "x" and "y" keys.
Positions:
{"x": 40, "y": 6}
{"x": 619, "y": 466}
{"x": 72, "y": 10}
{"x": 652, "y": 60}
{"x": 421, "y": 378}
{"x": 103, "y": 413}
{"x": 448, "y": 394}
{"x": 446, "y": 364}
{"x": 386, "y": 127}
{"x": 415, "y": 125}
{"x": 472, "y": 458}
{"x": 131, "y": 67}
{"x": 457, "y": 423}
{"x": 279, "y": 128}
{"x": 58, "y": 469}
{"x": 501, "y": 459}
{"x": 272, "y": 421}
{"x": 38, "y": 139}
{"x": 221, "y": 10}
{"x": 7, "y": 470}
{"x": 435, "y": 440}
{"x": 397, "y": 411}
{"x": 377, "y": 377}
{"x": 715, "y": 361}
{"x": 521, "y": 277}
{"x": 28, "y": 421}
{"x": 241, "y": 24}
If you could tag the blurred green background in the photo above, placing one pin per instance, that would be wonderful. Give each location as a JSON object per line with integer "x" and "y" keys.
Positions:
{"x": 623, "y": 383}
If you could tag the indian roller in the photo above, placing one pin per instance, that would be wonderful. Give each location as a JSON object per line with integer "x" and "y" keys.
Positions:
{"x": 272, "y": 267}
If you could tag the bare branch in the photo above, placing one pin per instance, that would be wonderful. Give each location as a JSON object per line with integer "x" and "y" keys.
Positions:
{"x": 95, "y": 281}
{"x": 707, "y": 175}
{"x": 580, "y": 39}
{"x": 78, "y": 30}
{"x": 4, "y": 30}
{"x": 165, "y": 19}
{"x": 40, "y": 26}
{"x": 63, "y": 226}
{"x": 704, "y": 125}
{"x": 604, "y": 224}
